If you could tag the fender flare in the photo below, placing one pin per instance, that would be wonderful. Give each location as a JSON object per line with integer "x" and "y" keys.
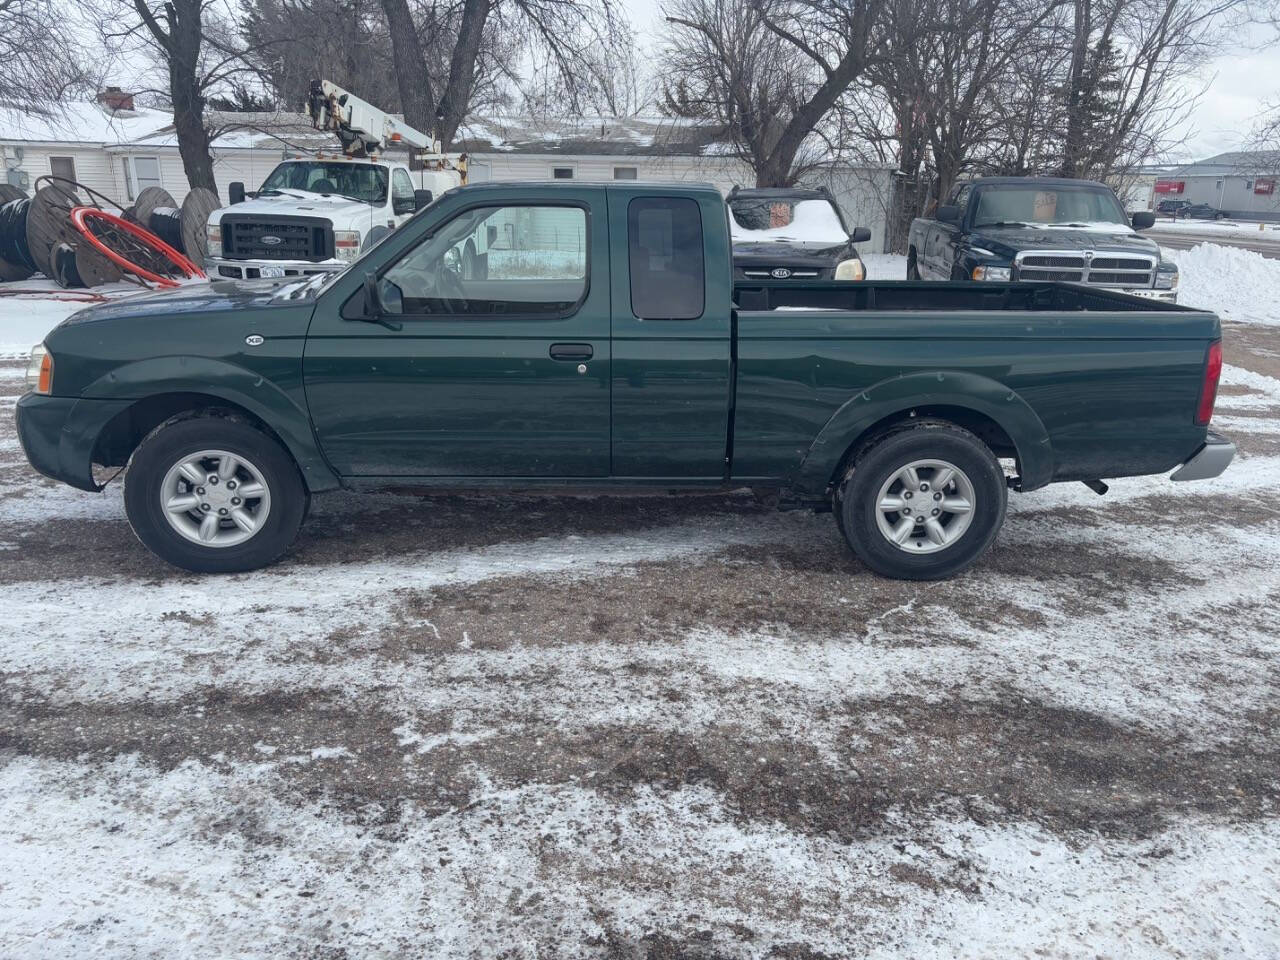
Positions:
{"x": 899, "y": 395}
{"x": 136, "y": 382}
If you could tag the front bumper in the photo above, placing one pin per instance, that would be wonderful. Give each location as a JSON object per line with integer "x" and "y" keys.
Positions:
{"x": 254, "y": 269}
{"x": 58, "y": 435}
{"x": 1209, "y": 461}
{"x": 1163, "y": 296}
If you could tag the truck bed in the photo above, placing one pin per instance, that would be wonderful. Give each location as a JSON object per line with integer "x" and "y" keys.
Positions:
{"x": 933, "y": 297}
{"x": 1086, "y": 383}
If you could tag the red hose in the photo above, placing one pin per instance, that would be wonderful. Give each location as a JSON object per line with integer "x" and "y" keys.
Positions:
{"x": 80, "y": 214}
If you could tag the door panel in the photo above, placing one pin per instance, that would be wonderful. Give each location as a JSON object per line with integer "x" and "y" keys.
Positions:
{"x": 671, "y": 336}
{"x": 468, "y": 387}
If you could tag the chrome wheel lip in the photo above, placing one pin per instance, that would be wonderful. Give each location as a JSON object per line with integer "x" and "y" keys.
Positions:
{"x": 220, "y": 515}
{"x": 910, "y": 523}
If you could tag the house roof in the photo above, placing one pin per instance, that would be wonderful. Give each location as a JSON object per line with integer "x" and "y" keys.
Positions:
{"x": 1235, "y": 162}
{"x": 631, "y": 136}
{"x": 80, "y": 122}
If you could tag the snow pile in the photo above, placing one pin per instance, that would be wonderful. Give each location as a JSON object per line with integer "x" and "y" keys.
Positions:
{"x": 1236, "y": 284}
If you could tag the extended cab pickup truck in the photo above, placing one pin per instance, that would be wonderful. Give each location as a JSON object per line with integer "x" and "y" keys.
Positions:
{"x": 1039, "y": 229}
{"x": 608, "y": 347}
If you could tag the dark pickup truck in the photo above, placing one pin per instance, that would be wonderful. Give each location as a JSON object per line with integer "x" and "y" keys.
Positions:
{"x": 609, "y": 348}
{"x": 999, "y": 229}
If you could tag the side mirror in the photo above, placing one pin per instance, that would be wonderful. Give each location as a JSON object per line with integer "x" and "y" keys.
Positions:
{"x": 235, "y": 192}
{"x": 860, "y": 235}
{"x": 1143, "y": 219}
{"x": 949, "y": 213}
{"x": 373, "y": 307}
{"x": 422, "y": 198}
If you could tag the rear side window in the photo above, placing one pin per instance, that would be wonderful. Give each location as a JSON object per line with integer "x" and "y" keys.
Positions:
{"x": 664, "y": 236}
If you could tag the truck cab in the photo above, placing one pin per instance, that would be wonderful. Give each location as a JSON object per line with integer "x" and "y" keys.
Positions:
{"x": 1039, "y": 228}
{"x": 316, "y": 215}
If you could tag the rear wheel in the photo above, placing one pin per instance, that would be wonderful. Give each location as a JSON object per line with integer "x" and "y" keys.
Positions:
{"x": 213, "y": 494}
{"x": 924, "y": 503}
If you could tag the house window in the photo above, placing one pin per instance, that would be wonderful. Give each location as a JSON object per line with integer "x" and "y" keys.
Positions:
{"x": 140, "y": 173}
{"x": 1248, "y": 184}
{"x": 624, "y": 173}
{"x": 562, "y": 173}
{"x": 64, "y": 167}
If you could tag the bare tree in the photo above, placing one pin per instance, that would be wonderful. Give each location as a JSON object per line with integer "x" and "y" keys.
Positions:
{"x": 475, "y": 42}
{"x": 196, "y": 52}
{"x": 770, "y": 71}
{"x": 39, "y": 55}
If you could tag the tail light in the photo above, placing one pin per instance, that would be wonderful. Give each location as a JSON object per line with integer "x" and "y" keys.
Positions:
{"x": 1209, "y": 386}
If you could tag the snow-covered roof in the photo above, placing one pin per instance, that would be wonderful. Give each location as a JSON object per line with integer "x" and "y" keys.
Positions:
{"x": 80, "y": 122}
{"x": 282, "y": 130}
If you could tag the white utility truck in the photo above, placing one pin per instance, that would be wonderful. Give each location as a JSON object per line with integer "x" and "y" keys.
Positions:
{"x": 317, "y": 214}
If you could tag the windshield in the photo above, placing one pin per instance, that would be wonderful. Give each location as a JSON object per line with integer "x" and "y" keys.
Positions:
{"x": 777, "y": 219}
{"x": 1048, "y": 206}
{"x": 356, "y": 181}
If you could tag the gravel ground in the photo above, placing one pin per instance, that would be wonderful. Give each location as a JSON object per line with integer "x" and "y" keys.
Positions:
{"x": 600, "y": 727}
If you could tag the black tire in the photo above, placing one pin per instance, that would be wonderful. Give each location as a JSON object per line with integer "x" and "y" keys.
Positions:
{"x": 858, "y": 495}
{"x": 913, "y": 268}
{"x": 167, "y": 446}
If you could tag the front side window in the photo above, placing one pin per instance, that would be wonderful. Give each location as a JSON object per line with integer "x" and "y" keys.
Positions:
{"x": 516, "y": 260}
{"x": 402, "y": 200}
{"x": 365, "y": 182}
{"x": 664, "y": 241}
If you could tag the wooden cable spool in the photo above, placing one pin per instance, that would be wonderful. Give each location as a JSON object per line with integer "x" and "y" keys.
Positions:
{"x": 149, "y": 200}
{"x": 196, "y": 207}
{"x": 49, "y": 223}
{"x": 9, "y": 270}
{"x": 94, "y": 268}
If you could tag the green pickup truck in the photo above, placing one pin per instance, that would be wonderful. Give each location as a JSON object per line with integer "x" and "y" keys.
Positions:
{"x": 600, "y": 341}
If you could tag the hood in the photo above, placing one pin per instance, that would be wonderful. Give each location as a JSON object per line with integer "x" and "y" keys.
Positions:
{"x": 790, "y": 253}
{"x": 1007, "y": 241}
{"x": 298, "y": 203}
{"x": 206, "y": 297}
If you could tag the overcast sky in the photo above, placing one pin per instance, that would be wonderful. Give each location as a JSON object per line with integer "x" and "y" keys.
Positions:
{"x": 1233, "y": 89}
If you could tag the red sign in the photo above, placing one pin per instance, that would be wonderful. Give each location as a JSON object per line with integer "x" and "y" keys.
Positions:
{"x": 1265, "y": 186}
{"x": 1170, "y": 186}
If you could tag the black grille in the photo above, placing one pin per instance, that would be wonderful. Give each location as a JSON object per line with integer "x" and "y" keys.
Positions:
{"x": 276, "y": 238}
{"x": 1132, "y": 279}
{"x": 1075, "y": 262}
{"x": 1120, "y": 263}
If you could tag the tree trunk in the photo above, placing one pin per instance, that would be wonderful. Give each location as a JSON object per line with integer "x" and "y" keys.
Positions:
{"x": 456, "y": 98}
{"x": 416, "y": 98}
{"x": 1073, "y": 145}
{"x": 185, "y": 36}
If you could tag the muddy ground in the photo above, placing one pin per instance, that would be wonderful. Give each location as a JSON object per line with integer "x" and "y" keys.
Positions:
{"x": 625, "y": 728}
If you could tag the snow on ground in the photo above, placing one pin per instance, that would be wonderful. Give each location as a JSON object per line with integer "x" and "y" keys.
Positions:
{"x": 1236, "y": 284}
{"x": 885, "y": 266}
{"x": 608, "y": 728}
{"x": 1243, "y": 230}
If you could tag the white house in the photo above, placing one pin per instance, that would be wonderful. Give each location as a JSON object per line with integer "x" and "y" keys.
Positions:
{"x": 119, "y": 149}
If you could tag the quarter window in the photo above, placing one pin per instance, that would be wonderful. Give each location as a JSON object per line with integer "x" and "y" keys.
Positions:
{"x": 495, "y": 260}
{"x": 664, "y": 239}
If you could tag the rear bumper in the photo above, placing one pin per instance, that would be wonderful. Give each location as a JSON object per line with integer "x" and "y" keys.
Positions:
{"x": 58, "y": 435}
{"x": 253, "y": 269}
{"x": 1209, "y": 461}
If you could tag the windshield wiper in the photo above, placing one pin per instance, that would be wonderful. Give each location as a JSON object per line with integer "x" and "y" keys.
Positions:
{"x": 1004, "y": 223}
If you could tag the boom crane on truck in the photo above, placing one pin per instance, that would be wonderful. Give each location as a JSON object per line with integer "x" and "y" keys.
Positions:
{"x": 318, "y": 214}
{"x": 366, "y": 131}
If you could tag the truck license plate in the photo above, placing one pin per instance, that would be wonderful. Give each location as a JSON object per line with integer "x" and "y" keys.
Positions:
{"x": 265, "y": 272}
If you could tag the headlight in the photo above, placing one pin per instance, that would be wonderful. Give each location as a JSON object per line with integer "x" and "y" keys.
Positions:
{"x": 346, "y": 244}
{"x": 214, "y": 233}
{"x": 850, "y": 270}
{"x": 40, "y": 370}
{"x": 990, "y": 273}
{"x": 1166, "y": 281}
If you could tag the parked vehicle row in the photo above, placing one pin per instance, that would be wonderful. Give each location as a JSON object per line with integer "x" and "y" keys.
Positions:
{"x": 608, "y": 345}
{"x": 1186, "y": 210}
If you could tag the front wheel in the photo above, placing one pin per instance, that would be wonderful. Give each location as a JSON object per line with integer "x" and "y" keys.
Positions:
{"x": 213, "y": 494}
{"x": 924, "y": 503}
